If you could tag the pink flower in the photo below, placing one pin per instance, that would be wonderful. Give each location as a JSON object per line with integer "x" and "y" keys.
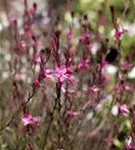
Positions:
{"x": 126, "y": 65}
{"x": 63, "y": 74}
{"x": 84, "y": 36}
{"x": 36, "y": 83}
{"x": 11, "y": 19}
{"x": 130, "y": 145}
{"x": 83, "y": 64}
{"x": 103, "y": 64}
{"x": 72, "y": 113}
{"x": 22, "y": 46}
{"x": 123, "y": 109}
{"x": 46, "y": 73}
{"x": 36, "y": 59}
{"x": 30, "y": 120}
{"x": 118, "y": 33}
{"x": 69, "y": 34}
{"x": 49, "y": 73}
{"x": 89, "y": 45}
{"x": 122, "y": 86}
{"x": 94, "y": 89}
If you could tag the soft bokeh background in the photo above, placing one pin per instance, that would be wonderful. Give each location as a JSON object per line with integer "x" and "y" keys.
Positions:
{"x": 48, "y": 11}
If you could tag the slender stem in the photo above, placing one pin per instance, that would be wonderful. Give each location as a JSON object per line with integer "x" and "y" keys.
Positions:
{"x": 25, "y": 4}
{"x": 16, "y": 113}
{"x": 59, "y": 122}
{"x": 49, "y": 125}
